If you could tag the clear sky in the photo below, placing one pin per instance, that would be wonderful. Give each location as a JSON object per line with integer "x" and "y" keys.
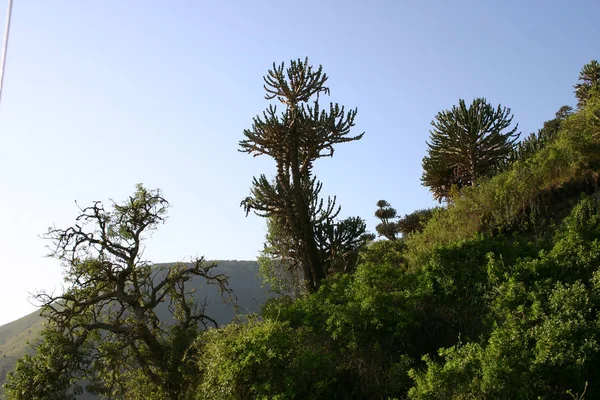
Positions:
{"x": 102, "y": 94}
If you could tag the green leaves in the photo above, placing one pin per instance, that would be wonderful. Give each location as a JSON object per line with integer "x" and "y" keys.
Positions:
{"x": 51, "y": 373}
{"x": 261, "y": 360}
{"x": 543, "y": 324}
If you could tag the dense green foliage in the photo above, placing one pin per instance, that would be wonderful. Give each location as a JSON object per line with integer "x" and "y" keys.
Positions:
{"x": 263, "y": 360}
{"x": 494, "y": 296}
{"x": 522, "y": 323}
{"x": 467, "y": 144}
{"x": 544, "y": 314}
{"x": 51, "y": 373}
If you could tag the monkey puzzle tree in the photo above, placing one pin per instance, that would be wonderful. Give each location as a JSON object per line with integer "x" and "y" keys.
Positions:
{"x": 295, "y": 139}
{"x": 105, "y": 327}
{"x": 467, "y": 144}
{"x": 590, "y": 81}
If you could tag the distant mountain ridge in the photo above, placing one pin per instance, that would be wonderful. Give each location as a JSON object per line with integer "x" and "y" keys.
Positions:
{"x": 243, "y": 279}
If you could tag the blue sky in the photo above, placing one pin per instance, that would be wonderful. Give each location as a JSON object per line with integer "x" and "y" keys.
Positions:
{"x": 101, "y": 95}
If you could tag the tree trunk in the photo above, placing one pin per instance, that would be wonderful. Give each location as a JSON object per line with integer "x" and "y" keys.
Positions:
{"x": 312, "y": 261}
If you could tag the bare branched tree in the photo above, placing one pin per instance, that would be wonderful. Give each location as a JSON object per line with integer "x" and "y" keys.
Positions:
{"x": 110, "y": 304}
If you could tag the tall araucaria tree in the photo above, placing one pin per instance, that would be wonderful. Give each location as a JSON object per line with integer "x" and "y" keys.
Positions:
{"x": 467, "y": 144}
{"x": 295, "y": 138}
{"x": 589, "y": 78}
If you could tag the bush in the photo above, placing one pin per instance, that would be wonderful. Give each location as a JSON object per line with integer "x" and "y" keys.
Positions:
{"x": 261, "y": 360}
{"x": 546, "y": 315}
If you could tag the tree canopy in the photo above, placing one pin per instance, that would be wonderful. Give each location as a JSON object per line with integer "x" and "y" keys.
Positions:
{"x": 589, "y": 81}
{"x": 467, "y": 144}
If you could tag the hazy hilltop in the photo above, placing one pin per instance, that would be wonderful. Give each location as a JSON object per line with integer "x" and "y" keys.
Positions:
{"x": 13, "y": 340}
{"x": 243, "y": 279}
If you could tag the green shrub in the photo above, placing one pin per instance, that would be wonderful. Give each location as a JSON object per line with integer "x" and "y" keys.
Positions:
{"x": 546, "y": 315}
{"x": 261, "y": 360}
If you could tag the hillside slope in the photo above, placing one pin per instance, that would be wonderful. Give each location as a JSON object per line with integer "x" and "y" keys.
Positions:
{"x": 526, "y": 196}
{"x": 14, "y": 337}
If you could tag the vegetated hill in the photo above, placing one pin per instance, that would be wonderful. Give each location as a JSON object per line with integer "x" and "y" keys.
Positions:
{"x": 243, "y": 279}
{"x": 529, "y": 196}
{"x": 14, "y": 338}
{"x": 498, "y": 298}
